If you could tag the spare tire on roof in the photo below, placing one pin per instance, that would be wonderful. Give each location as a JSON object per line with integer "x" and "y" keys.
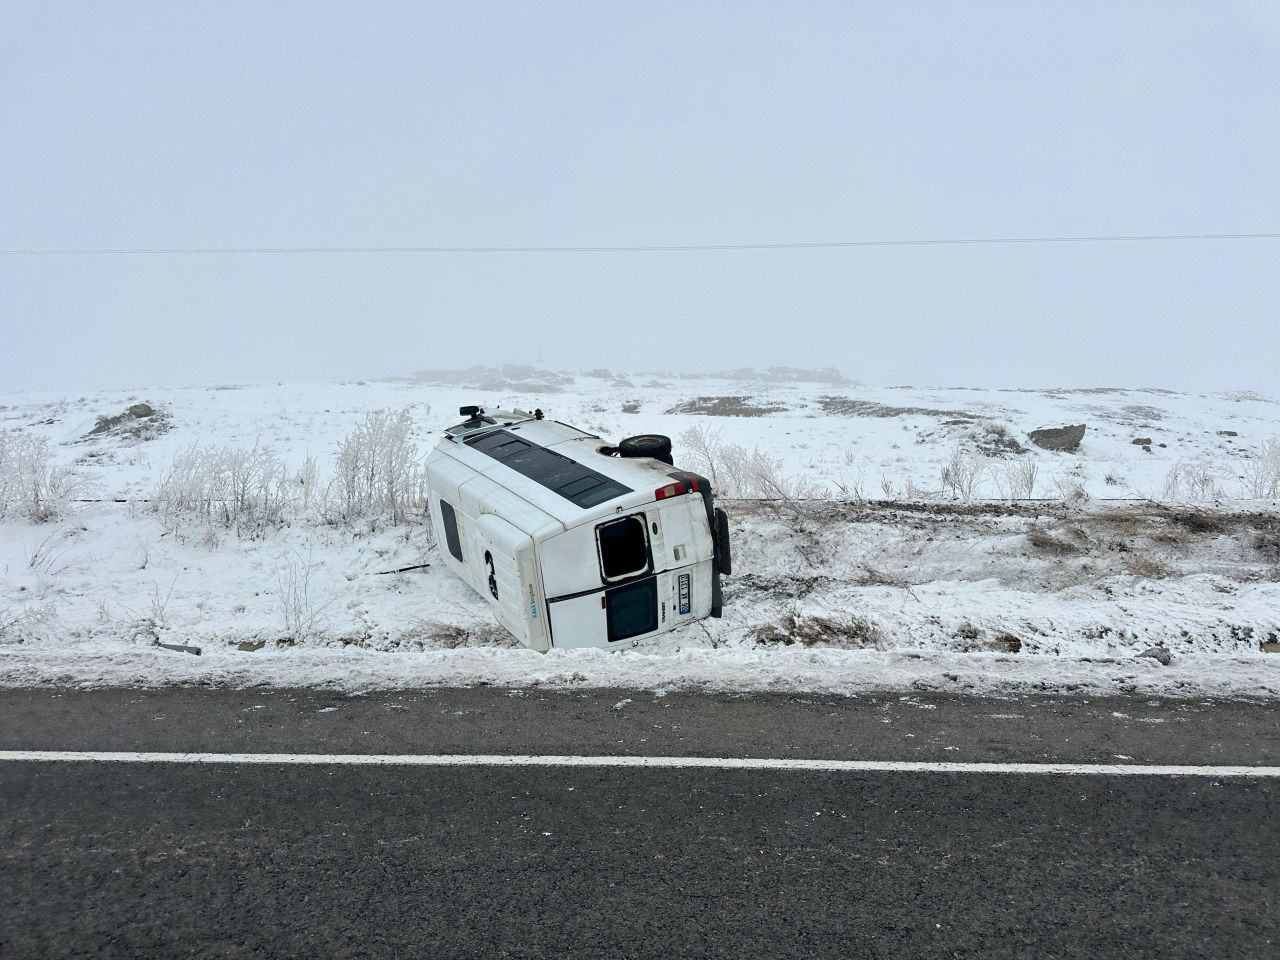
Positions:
{"x": 647, "y": 445}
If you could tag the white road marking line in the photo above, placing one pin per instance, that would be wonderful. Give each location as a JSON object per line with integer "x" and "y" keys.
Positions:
{"x": 709, "y": 763}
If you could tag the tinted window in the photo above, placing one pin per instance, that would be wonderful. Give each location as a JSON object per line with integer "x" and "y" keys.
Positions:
{"x": 633, "y": 609}
{"x": 623, "y": 549}
{"x": 499, "y": 444}
{"x": 568, "y": 478}
{"x": 451, "y": 530}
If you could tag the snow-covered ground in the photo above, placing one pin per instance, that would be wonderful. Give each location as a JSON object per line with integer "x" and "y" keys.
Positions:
{"x": 897, "y": 565}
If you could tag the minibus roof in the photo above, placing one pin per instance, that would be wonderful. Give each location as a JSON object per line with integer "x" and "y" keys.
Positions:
{"x": 636, "y": 479}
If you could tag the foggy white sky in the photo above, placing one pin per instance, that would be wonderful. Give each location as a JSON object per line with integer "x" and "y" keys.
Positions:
{"x": 312, "y": 124}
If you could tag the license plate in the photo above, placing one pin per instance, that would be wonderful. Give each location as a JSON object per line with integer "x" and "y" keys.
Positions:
{"x": 684, "y": 593}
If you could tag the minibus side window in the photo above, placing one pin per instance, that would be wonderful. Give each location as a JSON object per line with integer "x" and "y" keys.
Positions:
{"x": 624, "y": 549}
{"x": 451, "y": 530}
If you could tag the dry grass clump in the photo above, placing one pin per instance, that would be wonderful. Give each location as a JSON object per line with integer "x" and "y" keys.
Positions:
{"x": 997, "y": 440}
{"x": 439, "y": 635}
{"x": 1155, "y": 523}
{"x": 870, "y": 576}
{"x": 739, "y": 406}
{"x": 1147, "y": 568}
{"x": 839, "y": 630}
{"x": 1197, "y": 521}
{"x": 849, "y": 407}
{"x": 1266, "y": 541}
{"x": 971, "y": 638}
{"x": 1043, "y": 540}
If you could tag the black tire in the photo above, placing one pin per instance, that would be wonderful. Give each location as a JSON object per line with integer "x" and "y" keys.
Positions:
{"x": 724, "y": 556}
{"x": 647, "y": 445}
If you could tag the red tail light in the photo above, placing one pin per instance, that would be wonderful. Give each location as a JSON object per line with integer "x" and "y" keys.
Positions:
{"x": 670, "y": 490}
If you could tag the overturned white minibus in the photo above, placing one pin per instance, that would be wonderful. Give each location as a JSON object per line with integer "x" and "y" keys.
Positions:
{"x": 575, "y": 543}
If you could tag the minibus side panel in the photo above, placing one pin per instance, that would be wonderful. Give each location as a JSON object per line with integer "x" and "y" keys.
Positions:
{"x": 510, "y": 579}
{"x": 445, "y": 479}
{"x": 571, "y": 562}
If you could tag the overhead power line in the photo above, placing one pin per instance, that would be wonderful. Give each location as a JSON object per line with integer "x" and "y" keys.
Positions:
{"x": 636, "y": 248}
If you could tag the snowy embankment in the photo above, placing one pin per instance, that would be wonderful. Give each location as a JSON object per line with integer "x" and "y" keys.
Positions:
{"x": 899, "y": 575}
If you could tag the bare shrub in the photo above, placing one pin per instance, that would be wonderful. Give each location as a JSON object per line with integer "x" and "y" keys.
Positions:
{"x": 159, "y": 605}
{"x": 379, "y": 472}
{"x": 850, "y": 485}
{"x": 1019, "y": 478}
{"x": 52, "y": 554}
{"x": 1260, "y": 475}
{"x": 307, "y": 480}
{"x": 961, "y": 474}
{"x": 16, "y": 622}
{"x": 247, "y": 491}
{"x": 301, "y": 611}
{"x": 1071, "y": 487}
{"x": 145, "y": 625}
{"x": 32, "y": 486}
{"x": 735, "y": 471}
{"x": 838, "y": 630}
{"x": 764, "y": 476}
{"x": 1191, "y": 481}
{"x": 700, "y": 449}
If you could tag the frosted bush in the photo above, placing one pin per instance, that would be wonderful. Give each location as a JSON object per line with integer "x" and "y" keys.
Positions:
{"x": 302, "y": 612}
{"x": 1260, "y": 474}
{"x": 1192, "y": 481}
{"x": 379, "y": 471}
{"x": 1017, "y": 480}
{"x": 32, "y": 486}
{"x": 248, "y": 491}
{"x": 961, "y": 474}
{"x": 736, "y": 472}
{"x": 1072, "y": 486}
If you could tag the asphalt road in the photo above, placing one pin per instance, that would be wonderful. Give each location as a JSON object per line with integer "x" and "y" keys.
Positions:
{"x": 179, "y": 859}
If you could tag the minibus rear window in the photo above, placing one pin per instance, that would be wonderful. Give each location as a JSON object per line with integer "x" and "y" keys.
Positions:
{"x": 632, "y": 610}
{"x": 624, "y": 550}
